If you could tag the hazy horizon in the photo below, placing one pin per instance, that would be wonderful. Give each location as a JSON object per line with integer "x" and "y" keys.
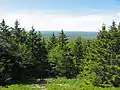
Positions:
{"x": 66, "y": 31}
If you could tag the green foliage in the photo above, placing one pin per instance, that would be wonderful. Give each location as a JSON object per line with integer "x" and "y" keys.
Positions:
{"x": 102, "y": 60}
{"x": 52, "y": 42}
{"x": 57, "y": 84}
{"x": 28, "y": 55}
{"x": 62, "y": 39}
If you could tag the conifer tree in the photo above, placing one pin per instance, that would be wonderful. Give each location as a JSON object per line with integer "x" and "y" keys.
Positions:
{"x": 78, "y": 54}
{"x": 4, "y": 29}
{"x": 62, "y": 39}
{"x": 39, "y": 54}
{"x": 52, "y": 42}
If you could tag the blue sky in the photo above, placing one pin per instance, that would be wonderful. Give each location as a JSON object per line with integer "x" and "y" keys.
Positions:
{"x": 80, "y": 15}
{"x": 66, "y": 5}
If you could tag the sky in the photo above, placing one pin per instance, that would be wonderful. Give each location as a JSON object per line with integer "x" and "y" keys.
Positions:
{"x": 69, "y": 15}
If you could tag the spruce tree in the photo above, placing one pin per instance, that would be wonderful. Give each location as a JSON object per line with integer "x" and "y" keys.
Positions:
{"x": 52, "y": 42}
{"x": 78, "y": 54}
{"x": 62, "y": 39}
{"x": 4, "y": 29}
{"x": 39, "y": 54}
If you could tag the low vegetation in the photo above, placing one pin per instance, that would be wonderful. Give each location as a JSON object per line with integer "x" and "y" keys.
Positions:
{"x": 57, "y": 84}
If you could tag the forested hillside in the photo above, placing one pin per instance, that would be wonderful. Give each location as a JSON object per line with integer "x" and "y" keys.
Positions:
{"x": 27, "y": 55}
{"x": 71, "y": 34}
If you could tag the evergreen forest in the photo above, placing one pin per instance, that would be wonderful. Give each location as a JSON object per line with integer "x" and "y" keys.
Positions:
{"x": 26, "y": 55}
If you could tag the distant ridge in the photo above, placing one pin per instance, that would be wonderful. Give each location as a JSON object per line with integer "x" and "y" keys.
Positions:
{"x": 72, "y": 34}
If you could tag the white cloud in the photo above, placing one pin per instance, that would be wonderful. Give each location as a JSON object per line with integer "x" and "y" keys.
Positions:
{"x": 57, "y": 21}
{"x": 118, "y": 14}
